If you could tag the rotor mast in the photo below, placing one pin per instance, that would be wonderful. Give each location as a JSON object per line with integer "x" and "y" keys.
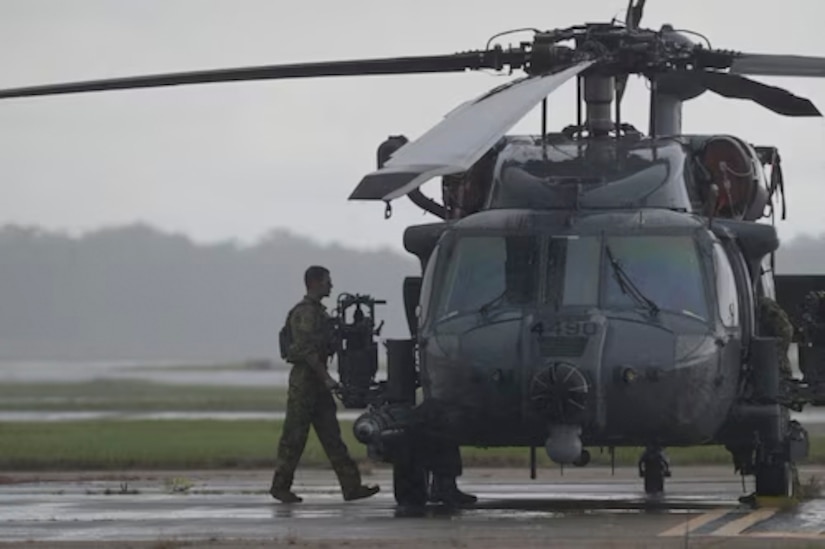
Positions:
{"x": 668, "y": 96}
{"x": 599, "y": 91}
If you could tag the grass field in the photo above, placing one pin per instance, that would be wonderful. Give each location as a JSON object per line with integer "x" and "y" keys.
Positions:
{"x": 242, "y": 444}
{"x": 133, "y": 396}
{"x": 112, "y": 444}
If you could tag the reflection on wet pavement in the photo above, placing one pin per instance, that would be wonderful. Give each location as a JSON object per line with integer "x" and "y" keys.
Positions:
{"x": 608, "y": 509}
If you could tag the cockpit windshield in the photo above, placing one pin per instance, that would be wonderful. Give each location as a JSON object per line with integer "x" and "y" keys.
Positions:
{"x": 665, "y": 269}
{"x": 656, "y": 272}
{"x": 572, "y": 274}
{"x": 489, "y": 270}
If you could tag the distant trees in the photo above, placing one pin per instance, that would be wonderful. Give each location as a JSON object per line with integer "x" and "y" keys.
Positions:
{"x": 136, "y": 292}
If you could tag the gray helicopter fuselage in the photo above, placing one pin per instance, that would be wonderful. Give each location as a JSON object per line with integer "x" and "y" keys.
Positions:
{"x": 668, "y": 376}
{"x": 601, "y": 302}
{"x": 593, "y": 174}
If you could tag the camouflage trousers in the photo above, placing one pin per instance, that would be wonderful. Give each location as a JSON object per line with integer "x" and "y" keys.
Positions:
{"x": 310, "y": 403}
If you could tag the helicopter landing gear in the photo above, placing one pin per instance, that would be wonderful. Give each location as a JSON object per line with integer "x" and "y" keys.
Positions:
{"x": 778, "y": 478}
{"x": 774, "y": 468}
{"x": 654, "y": 467}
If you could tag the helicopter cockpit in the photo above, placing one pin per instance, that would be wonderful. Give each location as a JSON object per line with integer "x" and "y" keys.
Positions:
{"x": 635, "y": 269}
{"x": 717, "y": 175}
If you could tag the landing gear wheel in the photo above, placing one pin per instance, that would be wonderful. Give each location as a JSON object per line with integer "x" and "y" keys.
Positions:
{"x": 654, "y": 467}
{"x": 409, "y": 482}
{"x": 654, "y": 480}
{"x": 776, "y": 479}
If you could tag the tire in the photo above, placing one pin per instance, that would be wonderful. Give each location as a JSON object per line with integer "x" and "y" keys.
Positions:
{"x": 654, "y": 479}
{"x": 778, "y": 479}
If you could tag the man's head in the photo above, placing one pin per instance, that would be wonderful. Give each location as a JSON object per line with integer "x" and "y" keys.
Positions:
{"x": 317, "y": 281}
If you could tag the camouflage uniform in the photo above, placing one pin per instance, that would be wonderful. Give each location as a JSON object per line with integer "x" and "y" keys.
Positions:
{"x": 813, "y": 318}
{"x": 773, "y": 322}
{"x": 309, "y": 401}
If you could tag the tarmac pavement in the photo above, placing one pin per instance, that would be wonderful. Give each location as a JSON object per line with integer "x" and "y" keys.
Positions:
{"x": 586, "y": 507}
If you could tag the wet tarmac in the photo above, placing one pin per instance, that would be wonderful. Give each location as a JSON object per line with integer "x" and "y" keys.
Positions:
{"x": 579, "y": 507}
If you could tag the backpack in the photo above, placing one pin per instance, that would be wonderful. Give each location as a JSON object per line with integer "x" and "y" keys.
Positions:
{"x": 285, "y": 338}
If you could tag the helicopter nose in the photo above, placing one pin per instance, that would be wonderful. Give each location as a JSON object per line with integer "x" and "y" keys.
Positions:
{"x": 559, "y": 393}
{"x": 564, "y": 445}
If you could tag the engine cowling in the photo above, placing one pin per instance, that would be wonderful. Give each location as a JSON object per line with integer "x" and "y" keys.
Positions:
{"x": 734, "y": 167}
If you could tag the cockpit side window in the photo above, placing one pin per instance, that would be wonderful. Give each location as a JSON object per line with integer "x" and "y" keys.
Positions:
{"x": 725, "y": 288}
{"x": 427, "y": 285}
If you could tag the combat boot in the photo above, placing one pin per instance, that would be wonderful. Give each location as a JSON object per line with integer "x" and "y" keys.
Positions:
{"x": 284, "y": 495}
{"x": 361, "y": 492}
{"x": 444, "y": 490}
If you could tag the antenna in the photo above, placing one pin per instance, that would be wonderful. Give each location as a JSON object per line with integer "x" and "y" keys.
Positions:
{"x": 544, "y": 127}
{"x": 653, "y": 96}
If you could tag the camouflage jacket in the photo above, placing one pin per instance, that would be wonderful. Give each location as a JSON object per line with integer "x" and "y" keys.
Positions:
{"x": 312, "y": 335}
{"x": 812, "y": 319}
{"x": 773, "y": 322}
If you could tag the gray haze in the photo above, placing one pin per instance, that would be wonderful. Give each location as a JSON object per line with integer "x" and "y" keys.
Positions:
{"x": 228, "y": 168}
{"x": 232, "y": 161}
{"x": 135, "y": 292}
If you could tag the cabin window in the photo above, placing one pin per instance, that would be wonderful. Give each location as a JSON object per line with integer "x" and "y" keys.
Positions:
{"x": 726, "y": 288}
{"x": 427, "y": 286}
{"x": 666, "y": 269}
{"x": 486, "y": 272}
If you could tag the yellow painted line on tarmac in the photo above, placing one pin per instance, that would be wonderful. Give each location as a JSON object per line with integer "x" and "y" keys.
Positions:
{"x": 734, "y": 528}
{"x": 787, "y": 535}
{"x": 694, "y": 523}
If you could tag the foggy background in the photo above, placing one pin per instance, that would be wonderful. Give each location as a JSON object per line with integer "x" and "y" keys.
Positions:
{"x": 176, "y": 222}
{"x": 134, "y": 292}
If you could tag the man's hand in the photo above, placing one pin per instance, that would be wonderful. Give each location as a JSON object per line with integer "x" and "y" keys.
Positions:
{"x": 323, "y": 374}
{"x": 330, "y": 383}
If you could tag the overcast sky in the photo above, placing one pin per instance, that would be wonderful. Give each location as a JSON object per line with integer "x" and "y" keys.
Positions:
{"x": 238, "y": 160}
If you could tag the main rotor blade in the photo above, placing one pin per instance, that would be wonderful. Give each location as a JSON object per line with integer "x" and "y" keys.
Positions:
{"x": 491, "y": 59}
{"x": 776, "y": 99}
{"x": 462, "y": 137}
{"x": 632, "y": 18}
{"x": 634, "y": 14}
{"x": 778, "y": 65}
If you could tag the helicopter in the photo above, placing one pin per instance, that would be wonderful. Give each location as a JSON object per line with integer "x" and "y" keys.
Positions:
{"x": 591, "y": 287}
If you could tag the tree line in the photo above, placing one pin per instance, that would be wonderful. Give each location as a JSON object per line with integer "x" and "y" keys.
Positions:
{"x": 135, "y": 292}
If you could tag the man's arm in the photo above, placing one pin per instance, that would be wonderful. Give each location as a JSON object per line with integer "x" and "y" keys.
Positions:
{"x": 309, "y": 340}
